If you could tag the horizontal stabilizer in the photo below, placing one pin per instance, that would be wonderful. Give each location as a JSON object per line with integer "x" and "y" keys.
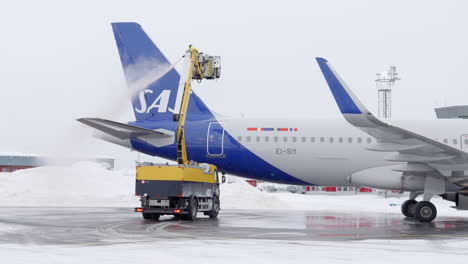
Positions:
{"x": 158, "y": 137}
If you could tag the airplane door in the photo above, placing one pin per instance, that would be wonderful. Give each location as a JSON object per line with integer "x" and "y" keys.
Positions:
{"x": 215, "y": 140}
{"x": 464, "y": 142}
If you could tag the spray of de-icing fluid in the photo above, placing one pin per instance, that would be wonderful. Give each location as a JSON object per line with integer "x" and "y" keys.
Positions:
{"x": 75, "y": 142}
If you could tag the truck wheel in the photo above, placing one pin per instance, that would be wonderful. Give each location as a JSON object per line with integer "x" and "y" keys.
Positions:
{"x": 193, "y": 205}
{"x": 155, "y": 217}
{"x": 215, "y": 210}
{"x": 147, "y": 216}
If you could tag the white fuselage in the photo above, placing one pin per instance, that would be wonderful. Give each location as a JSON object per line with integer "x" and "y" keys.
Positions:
{"x": 325, "y": 152}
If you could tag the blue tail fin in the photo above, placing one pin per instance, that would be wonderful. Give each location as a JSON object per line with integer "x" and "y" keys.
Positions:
{"x": 141, "y": 60}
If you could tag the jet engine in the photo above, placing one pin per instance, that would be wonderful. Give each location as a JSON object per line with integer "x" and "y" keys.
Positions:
{"x": 391, "y": 178}
{"x": 386, "y": 177}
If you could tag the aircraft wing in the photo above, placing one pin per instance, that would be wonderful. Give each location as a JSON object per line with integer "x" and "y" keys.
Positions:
{"x": 421, "y": 154}
{"x": 158, "y": 137}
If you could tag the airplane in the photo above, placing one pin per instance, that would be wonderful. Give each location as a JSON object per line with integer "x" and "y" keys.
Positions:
{"x": 427, "y": 157}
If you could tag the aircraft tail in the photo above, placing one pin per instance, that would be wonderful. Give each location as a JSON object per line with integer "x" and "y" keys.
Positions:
{"x": 156, "y": 99}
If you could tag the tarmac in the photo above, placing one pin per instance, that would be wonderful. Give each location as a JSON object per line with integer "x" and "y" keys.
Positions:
{"x": 102, "y": 226}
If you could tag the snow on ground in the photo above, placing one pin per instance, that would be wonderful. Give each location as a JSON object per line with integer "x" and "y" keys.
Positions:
{"x": 244, "y": 251}
{"x": 87, "y": 184}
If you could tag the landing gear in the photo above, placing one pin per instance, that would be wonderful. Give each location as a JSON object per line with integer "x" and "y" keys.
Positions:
{"x": 424, "y": 211}
{"x": 407, "y": 208}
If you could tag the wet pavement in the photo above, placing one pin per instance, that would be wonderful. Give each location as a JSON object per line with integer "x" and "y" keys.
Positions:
{"x": 96, "y": 226}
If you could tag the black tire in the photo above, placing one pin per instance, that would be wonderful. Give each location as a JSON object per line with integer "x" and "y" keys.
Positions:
{"x": 155, "y": 217}
{"x": 425, "y": 211}
{"x": 216, "y": 206}
{"x": 147, "y": 216}
{"x": 407, "y": 208}
{"x": 178, "y": 217}
{"x": 193, "y": 210}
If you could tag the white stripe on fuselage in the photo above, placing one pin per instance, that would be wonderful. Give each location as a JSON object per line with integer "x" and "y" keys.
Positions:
{"x": 331, "y": 161}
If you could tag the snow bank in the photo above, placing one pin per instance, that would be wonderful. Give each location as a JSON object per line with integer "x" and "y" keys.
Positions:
{"x": 236, "y": 193}
{"x": 82, "y": 184}
{"x": 88, "y": 184}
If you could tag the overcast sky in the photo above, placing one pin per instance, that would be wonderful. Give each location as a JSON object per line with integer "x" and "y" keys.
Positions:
{"x": 59, "y": 62}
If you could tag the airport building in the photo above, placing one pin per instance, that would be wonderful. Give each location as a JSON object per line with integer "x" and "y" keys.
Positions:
{"x": 16, "y": 161}
{"x": 457, "y": 111}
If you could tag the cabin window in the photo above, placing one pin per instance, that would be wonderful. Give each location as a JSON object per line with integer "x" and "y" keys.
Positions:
{"x": 322, "y": 139}
{"x": 257, "y": 138}
{"x": 248, "y": 138}
{"x": 303, "y": 139}
{"x": 359, "y": 140}
{"x": 455, "y": 141}
{"x": 340, "y": 140}
{"x": 312, "y": 139}
{"x": 275, "y": 139}
{"x": 294, "y": 139}
{"x": 285, "y": 139}
{"x": 267, "y": 138}
{"x": 239, "y": 138}
{"x": 331, "y": 139}
{"x": 350, "y": 140}
{"x": 369, "y": 140}
{"x": 445, "y": 141}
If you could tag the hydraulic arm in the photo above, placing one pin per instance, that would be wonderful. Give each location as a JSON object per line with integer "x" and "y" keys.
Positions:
{"x": 197, "y": 66}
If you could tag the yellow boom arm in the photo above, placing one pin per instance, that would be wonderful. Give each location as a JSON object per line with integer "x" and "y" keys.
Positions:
{"x": 181, "y": 147}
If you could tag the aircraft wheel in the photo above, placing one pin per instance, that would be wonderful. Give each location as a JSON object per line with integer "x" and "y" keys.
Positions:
{"x": 425, "y": 211}
{"x": 407, "y": 208}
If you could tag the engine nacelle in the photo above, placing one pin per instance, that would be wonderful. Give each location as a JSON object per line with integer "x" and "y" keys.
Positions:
{"x": 386, "y": 178}
{"x": 460, "y": 198}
